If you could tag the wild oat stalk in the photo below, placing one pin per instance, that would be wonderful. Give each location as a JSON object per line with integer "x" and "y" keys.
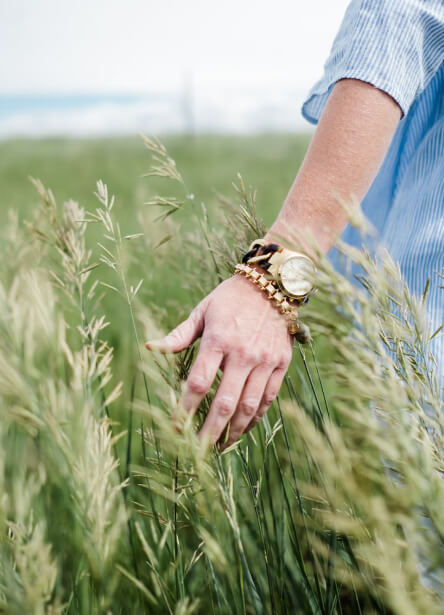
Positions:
{"x": 58, "y": 403}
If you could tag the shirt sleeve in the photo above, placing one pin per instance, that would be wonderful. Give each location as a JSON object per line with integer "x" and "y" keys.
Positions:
{"x": 396, "y": 45}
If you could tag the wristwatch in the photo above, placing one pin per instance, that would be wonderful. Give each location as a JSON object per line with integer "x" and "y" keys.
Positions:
{"x": 293, "y": 272}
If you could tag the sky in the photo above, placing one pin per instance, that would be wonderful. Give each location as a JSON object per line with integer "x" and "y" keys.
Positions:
{"x": 145, "y": 46}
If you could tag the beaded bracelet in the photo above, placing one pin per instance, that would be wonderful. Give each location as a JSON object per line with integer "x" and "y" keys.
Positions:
{"x": 274, "y": 294}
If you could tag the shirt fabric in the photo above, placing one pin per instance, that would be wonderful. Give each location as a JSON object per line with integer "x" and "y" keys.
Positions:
{"x": 398, "y": 46}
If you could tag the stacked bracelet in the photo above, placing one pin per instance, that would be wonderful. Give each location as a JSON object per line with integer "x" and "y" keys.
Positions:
{"x": 279, "y": 300}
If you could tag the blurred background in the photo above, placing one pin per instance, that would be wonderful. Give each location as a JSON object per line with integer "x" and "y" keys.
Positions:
{"x": 112, "y": 67}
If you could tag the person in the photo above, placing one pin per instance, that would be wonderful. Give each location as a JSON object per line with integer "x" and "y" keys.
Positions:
{"x": 380, "y": 138}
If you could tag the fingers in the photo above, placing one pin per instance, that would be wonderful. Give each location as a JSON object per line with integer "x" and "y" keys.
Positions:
{"x": 249, "y": 402}
{"x": 270, "y": 392}
{"x": 225, "y": 401}
{"x": 183, "y": 335}
{"x": 201, "y": 377}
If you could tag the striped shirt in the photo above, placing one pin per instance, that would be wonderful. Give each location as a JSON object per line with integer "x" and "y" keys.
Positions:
{"x": 398, "y": 46}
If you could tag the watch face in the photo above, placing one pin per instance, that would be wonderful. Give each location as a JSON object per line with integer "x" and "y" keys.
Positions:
{"x": 296, "y": 276}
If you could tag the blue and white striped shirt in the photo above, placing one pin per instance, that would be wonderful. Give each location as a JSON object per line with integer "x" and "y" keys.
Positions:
{"x": 398, "y": 46}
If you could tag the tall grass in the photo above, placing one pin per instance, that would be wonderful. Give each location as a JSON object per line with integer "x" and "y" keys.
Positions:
{"x": 333, "y": 505}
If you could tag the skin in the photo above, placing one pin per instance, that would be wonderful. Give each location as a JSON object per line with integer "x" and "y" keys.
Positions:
{"x": 241, "y": 332}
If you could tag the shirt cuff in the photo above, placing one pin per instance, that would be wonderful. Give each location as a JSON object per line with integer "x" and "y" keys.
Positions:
{"x": 317, "y": 99}
{"x": 395, "y": 45}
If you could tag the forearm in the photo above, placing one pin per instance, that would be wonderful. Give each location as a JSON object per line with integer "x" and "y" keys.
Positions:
{"x": 344, "y": 156}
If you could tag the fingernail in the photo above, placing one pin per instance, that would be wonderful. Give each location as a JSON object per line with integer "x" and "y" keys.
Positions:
{"x": 153, "y": 344}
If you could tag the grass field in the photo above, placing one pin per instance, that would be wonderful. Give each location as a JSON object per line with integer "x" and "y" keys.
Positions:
{"x": 209, "y": 165}
{"x": 106, "y": 507}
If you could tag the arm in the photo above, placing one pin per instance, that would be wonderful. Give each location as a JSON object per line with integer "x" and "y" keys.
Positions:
{"x": 348, "y": 147}
{"x": 241, "y": 331}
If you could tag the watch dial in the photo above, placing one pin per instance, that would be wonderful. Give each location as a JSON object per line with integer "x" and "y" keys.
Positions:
{"x": 297, "y": 276}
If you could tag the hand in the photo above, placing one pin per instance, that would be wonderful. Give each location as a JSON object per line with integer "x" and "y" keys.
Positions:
{"x": 245, "y": 336}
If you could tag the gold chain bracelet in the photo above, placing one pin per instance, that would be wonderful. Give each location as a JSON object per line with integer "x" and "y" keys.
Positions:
{"x": 278, "y": 298}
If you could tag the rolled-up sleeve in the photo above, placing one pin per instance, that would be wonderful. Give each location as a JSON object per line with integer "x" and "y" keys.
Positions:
{"x": 396, "y": 45}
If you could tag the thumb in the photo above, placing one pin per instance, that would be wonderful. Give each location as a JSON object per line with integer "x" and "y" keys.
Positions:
{"x": 183, "y": 335}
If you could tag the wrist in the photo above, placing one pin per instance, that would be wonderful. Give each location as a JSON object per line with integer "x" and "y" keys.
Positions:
{"x": 272, "y": 294}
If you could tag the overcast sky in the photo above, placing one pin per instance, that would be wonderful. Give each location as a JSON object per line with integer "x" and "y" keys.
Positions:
{"x": 71, "y": 46}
